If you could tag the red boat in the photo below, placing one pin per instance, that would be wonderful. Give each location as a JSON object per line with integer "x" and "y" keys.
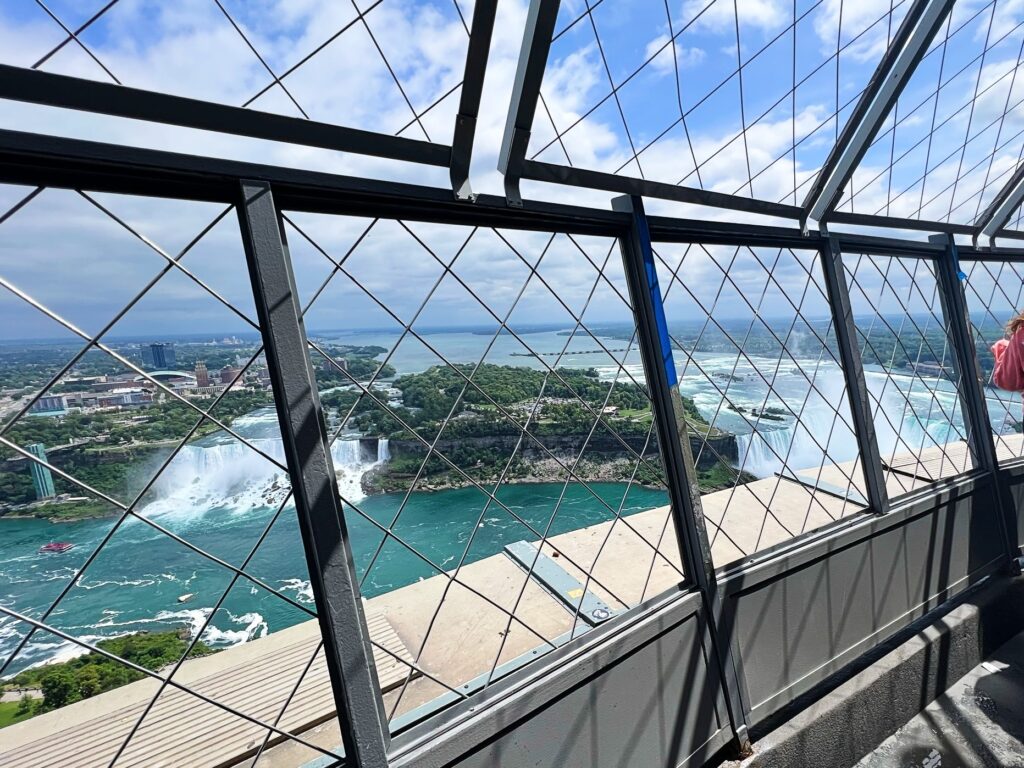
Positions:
{"x": 56, "y": 547}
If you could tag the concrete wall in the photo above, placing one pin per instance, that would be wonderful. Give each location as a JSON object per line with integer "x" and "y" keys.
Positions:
{"x": 645, "y": 698}
{"x": 800, "y": 618}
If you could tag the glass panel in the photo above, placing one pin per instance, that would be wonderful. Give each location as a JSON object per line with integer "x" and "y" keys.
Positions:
{"x": 909, "y": 368}
{"x": 995, "y": 296}
{"x": 764, "y": 393}
{"x": 493, "y": 438}
{"x": 742, "y": 98}
{"x": 156, "y": 605}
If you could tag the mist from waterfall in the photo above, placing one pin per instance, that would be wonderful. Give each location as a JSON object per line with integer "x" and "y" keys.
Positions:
{"x": 911, "y": 414}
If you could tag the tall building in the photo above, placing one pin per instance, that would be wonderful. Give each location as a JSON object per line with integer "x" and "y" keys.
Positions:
{"x": 159, "y": 356}
{"x": 42, "y": 479}
{"x": 202, "y": 375}
{"x": 228, "y": 374}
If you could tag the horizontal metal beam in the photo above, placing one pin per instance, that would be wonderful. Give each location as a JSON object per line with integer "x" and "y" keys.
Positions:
{"x": 581, "y": 177}
{"x": 668, "y": 229}
{"x": 1002, "y": 207}
{"x": 967, "y": 253}
{"x": 1011, "y": 234}
{"x": 894, "y": 222}
{"x": 52, "y": 161}
{"x": 53, "y": 90}
{"x": 890, "y": 77}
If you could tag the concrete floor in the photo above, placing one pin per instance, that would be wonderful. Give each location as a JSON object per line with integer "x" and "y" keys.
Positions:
{"x": 977, "y": 723}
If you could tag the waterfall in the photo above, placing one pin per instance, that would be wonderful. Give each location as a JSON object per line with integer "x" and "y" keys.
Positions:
{"x": 819, "y": 437}
{"x": 350, "y": 464}
{"x": 227, "y": 474}
{"x": 902, "y": 428}
{"x": 899, "y": 428}
{"x": 814, "y": 441}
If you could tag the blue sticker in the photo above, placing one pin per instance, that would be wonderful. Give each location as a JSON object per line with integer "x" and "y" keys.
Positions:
{"x": 659, "y": 317}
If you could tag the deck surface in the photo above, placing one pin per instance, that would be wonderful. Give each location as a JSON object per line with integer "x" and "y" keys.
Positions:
{"x": 181, "y": 729}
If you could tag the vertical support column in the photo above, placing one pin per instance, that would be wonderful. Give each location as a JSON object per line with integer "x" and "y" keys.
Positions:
{"x": 674, "y": 446}
{"x": 325, "y": 538}
{"x": 533, "y": 58}
{"x": 853, "y": 371}
{"x": 469, "y": 101}
{"x": 967, "y": 371}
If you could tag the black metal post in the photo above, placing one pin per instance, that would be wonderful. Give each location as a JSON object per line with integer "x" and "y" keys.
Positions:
{"x": 838, "y": 292}
{"x": 533, "y": 59}
{"x": 971, "y": 390}
{"x": 674, "y": 447}
{"x": 469, "y": 99}
{"x": 325, "y": 537}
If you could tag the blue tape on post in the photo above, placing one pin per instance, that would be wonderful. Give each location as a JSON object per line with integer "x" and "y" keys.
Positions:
{"x": 955, "y": 253}
{"x": 659, "y": 316}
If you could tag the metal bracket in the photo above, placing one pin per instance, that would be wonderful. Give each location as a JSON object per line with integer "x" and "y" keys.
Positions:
{"x": 462, "y": 147}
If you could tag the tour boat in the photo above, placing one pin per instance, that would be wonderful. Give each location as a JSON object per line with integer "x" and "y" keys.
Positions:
{"x": 56, "y": 547}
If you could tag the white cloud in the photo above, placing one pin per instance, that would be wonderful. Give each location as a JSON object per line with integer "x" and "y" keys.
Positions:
{"x": 666, "y": 55}
{"x": 721, "y": 16}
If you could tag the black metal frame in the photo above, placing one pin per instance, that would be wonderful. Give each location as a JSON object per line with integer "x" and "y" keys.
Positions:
{"x": 674, "y": 443}
{"x": 321, "y": 517}
{"x": 27, "y": 158}
{"x": 261, "y": 191}
{"x": 54, "y": 90}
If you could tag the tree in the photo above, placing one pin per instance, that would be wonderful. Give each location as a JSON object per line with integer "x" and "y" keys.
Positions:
{"x": 25, "y": 705}
{"x": 88, "y": 682}
{"x": 59, "y": 689}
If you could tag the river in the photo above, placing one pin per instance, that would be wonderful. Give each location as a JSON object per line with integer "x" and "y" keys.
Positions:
{"x": 220, "y": 496}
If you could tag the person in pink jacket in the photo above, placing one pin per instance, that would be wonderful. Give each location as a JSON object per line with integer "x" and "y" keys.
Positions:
{"x": 1009, "y": 354}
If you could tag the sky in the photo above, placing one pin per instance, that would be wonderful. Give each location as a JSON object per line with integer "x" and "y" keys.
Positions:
{"x": 652, "y": 88}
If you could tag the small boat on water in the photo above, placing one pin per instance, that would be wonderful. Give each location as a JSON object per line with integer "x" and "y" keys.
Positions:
{"x": 56, "y": 547}
{"x": 185, "y": 598}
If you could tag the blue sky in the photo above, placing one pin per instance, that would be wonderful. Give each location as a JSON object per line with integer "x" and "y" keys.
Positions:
{"x": 676, "y": 71}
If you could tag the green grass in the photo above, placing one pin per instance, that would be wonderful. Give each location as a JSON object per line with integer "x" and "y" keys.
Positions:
{"x": 9, "y": 714}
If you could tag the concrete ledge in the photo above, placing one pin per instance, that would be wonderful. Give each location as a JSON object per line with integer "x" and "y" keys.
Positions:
{"x": 846, "y": 717}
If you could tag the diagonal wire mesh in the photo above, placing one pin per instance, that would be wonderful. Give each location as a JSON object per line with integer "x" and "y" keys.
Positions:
{"x": 909, "y": 368}
{"x": 954, "y": 136}
{"x": 995, "y": 292}
{"x": 164, "y": 461}
{"x": 410, "y": 56}
{"x": 682, "y": 94}
{"x": 763, "y": 391}
{"x": 496, "y": 470}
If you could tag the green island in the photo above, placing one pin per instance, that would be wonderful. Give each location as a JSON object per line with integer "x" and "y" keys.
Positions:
{"x": 572, "y": 419}
{"x": 51, "y": 686}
